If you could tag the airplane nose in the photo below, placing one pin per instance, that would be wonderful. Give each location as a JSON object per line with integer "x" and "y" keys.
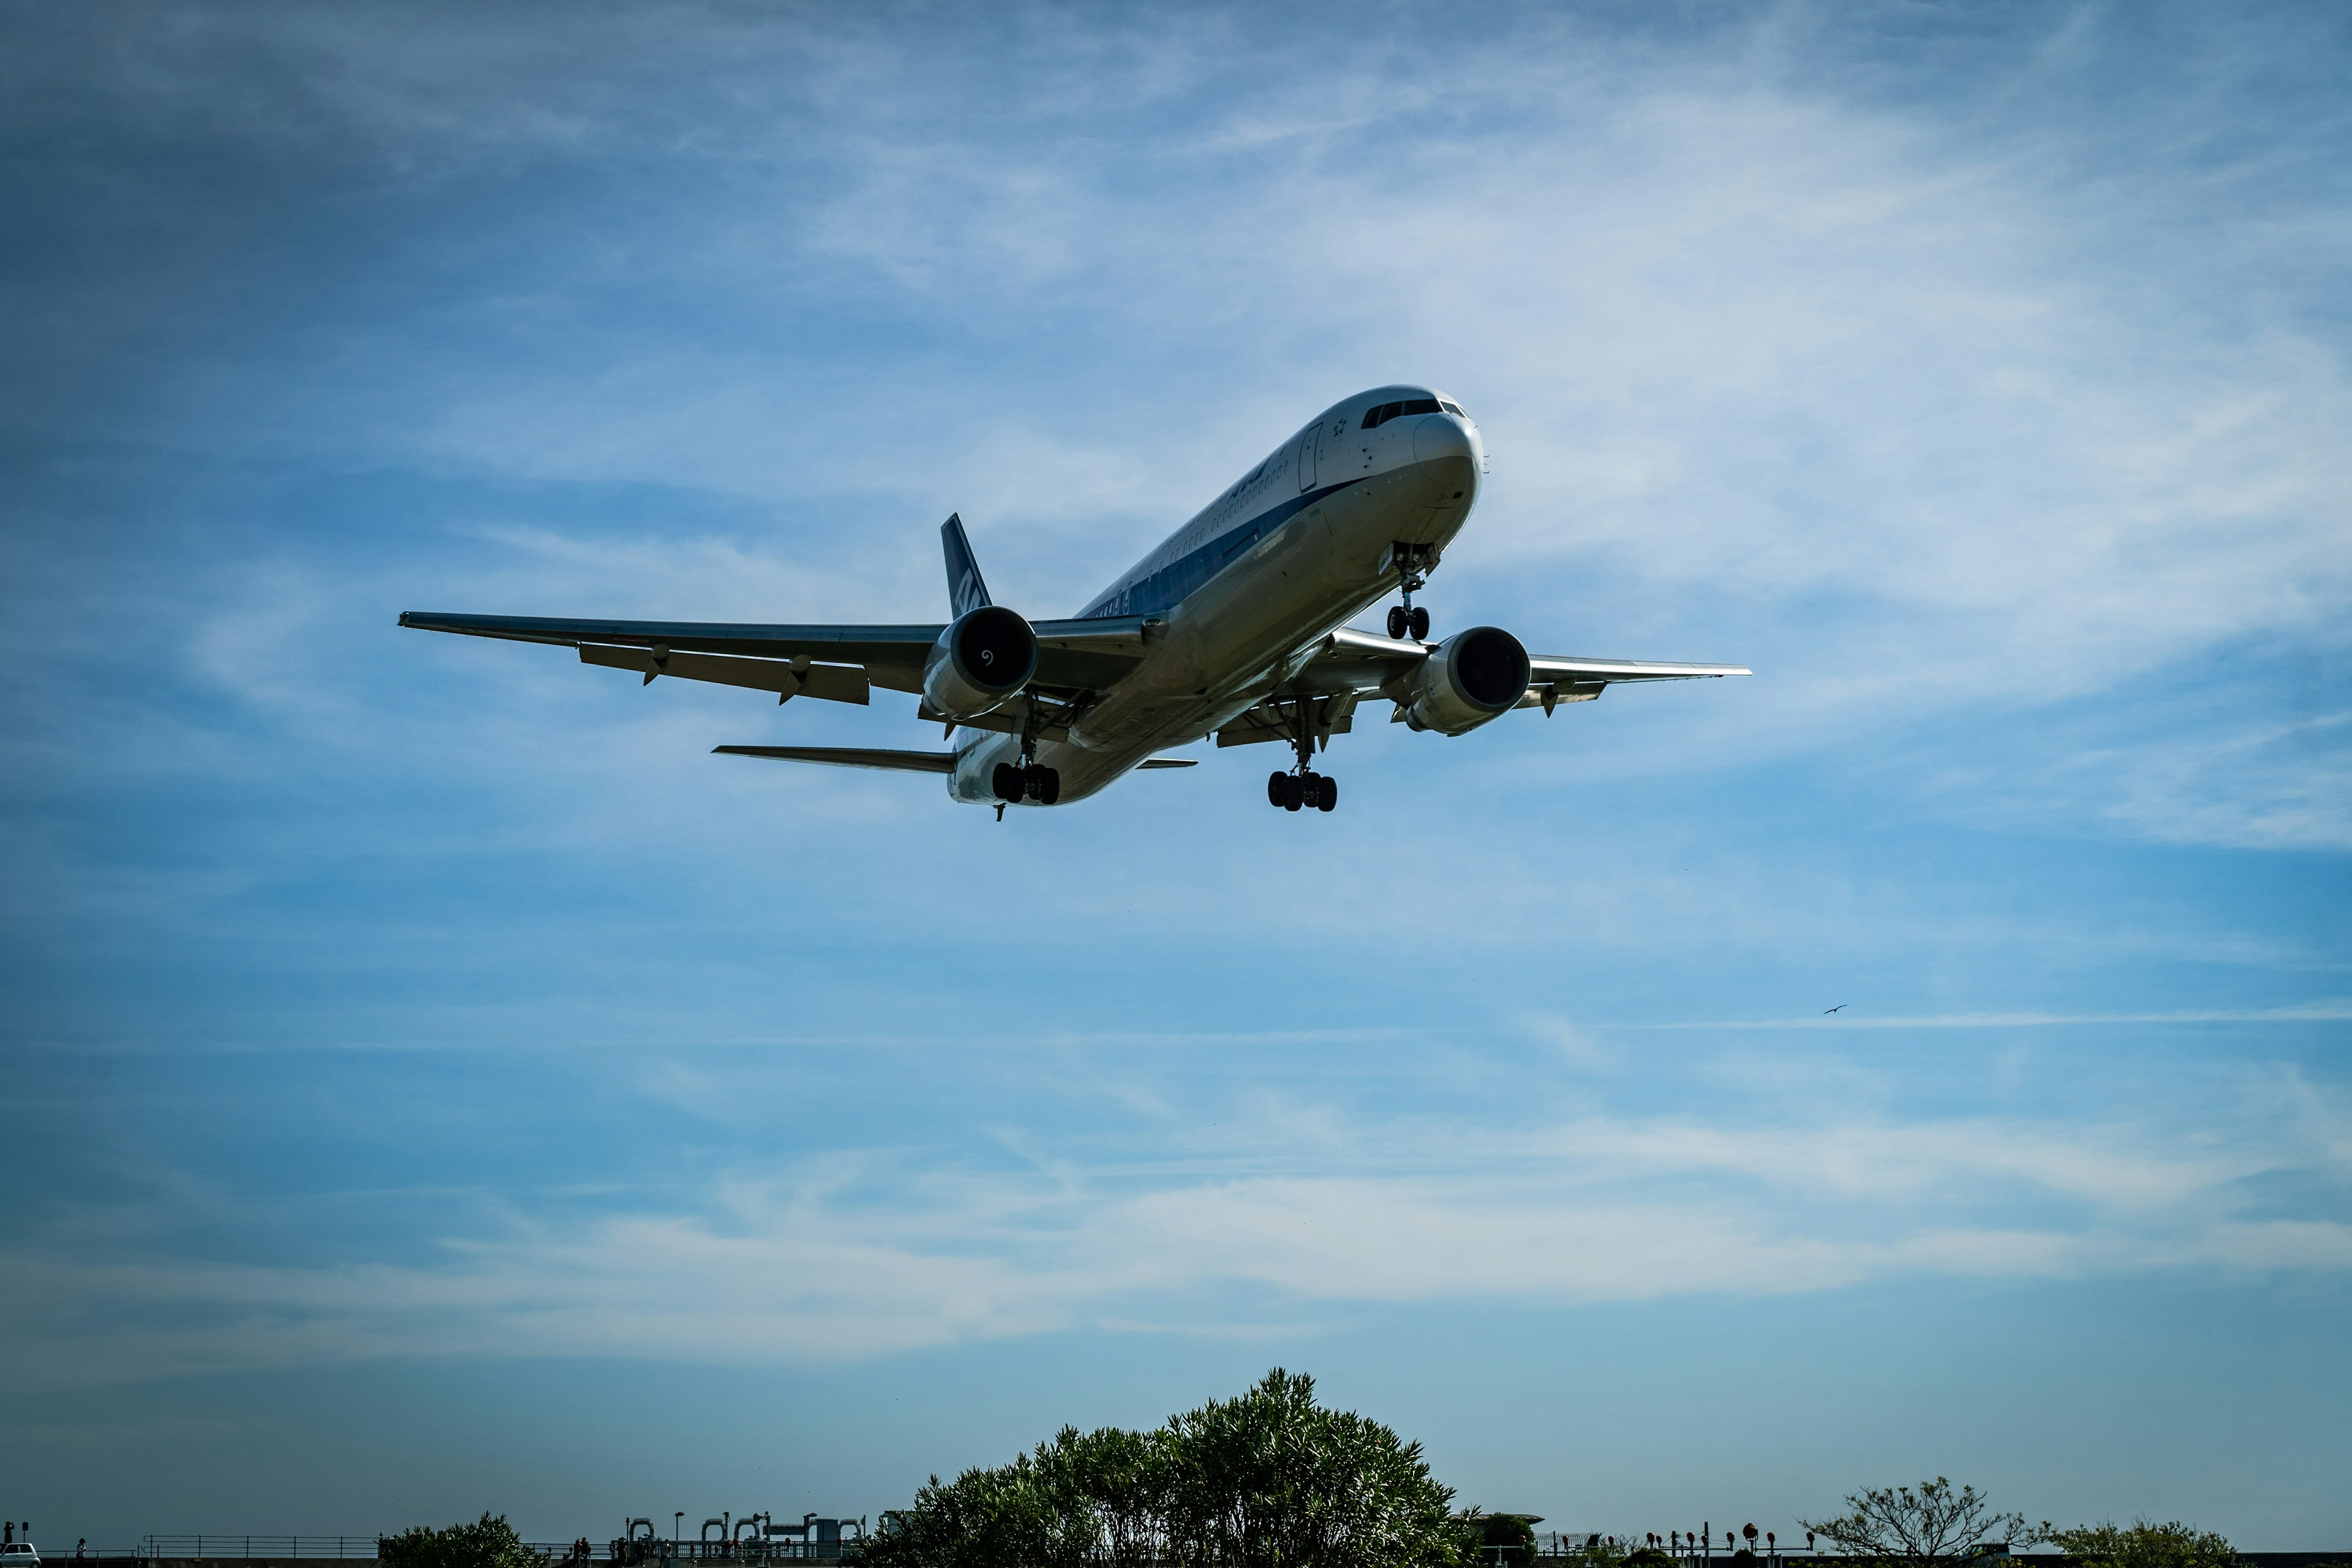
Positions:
{"x": 1436, "y": 437}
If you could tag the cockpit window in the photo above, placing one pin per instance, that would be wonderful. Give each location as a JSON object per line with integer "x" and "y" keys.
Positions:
{"x": 1451, "y": 409}
{"x": 1375, "y": 417}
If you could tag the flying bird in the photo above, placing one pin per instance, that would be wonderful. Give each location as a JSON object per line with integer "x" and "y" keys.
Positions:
{"x": 1839, "y": 1008}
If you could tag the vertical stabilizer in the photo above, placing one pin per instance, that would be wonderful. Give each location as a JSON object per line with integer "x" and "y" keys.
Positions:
{"x": 965, "y": 589}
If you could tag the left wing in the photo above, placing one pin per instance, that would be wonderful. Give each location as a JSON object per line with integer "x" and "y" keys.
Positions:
{"x": 1352, "y": 665}
{"x": 1365, "y": 662}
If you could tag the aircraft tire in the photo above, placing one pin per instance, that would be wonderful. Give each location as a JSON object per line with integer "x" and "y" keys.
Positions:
{"x": 1327, "y": 793}
{"x": 1397, "y": 624}
{"x": 1294, "y": 792}
{"x": 1274, "y": 787}
{"x": 1049, "y": 792}
{"x": 1006, "y": 781}
{"x": 1420, "y": 619}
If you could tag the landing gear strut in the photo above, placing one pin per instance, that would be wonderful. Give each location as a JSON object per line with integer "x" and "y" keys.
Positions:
{"x": 1303, "y": 786}
{"x": 1414, "y": 562}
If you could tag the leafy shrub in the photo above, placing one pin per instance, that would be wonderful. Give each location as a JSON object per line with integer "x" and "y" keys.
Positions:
{"x": 1933, "y": 1525}
{"x": 488, "y": 1543}
{"x": 2145, "y": 1545}
{"x": 1269, "y": 1480}
{"x": 1477, "y": 1534}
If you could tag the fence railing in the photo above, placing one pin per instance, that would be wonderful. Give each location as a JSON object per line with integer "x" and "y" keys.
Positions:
{"x": 209, "y": 1546}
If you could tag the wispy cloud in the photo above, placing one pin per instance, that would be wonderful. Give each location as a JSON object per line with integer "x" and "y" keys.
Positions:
{"x": 2306, "y": 1013}
{"x": 869, "y": 1255}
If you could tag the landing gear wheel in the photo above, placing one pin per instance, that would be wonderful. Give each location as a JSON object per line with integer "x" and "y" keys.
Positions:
{"x": 1420, "y": 622}
{"x": 1326, "y": 791}
{"x": 1006, "y": 781}
{"x": 1294, "y": 792}
{"x": 1399, "y": 621}
{"x": 1050, "y": 792}
{"x": 1276, "y": 783}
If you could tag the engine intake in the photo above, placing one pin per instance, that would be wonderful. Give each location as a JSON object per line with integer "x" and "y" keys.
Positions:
{"x": 1469, "y": 678}
{"x": 979, "y": 663}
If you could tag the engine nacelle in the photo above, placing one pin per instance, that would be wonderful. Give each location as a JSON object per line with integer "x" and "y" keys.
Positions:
{"x": 979, "y": 663}
{"x": 1471, "y": 677}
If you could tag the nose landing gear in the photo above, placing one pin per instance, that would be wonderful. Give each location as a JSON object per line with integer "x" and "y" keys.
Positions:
{"x": 1414, "y": 562}
{"x": 1408, "y": 620}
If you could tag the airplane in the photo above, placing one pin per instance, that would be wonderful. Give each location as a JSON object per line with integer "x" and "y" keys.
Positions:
{"x": 1235, "y": 626}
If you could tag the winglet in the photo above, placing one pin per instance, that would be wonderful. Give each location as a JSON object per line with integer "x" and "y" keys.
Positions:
{"x": 965, "y": 589}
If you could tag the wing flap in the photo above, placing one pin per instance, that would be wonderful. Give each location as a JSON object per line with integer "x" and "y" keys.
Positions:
{"x": 788, "y": 680}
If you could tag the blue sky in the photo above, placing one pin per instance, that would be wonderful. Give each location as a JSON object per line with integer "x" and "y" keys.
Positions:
{"x": 435, "y": 1083}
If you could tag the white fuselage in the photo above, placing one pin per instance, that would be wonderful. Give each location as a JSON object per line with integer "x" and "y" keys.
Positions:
{"x": 1249, "y": 588}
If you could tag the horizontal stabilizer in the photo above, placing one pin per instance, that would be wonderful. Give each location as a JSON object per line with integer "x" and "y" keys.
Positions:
{"x": 849, "y": 757}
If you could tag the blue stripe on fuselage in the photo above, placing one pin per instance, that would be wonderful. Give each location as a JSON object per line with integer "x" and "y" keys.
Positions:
{"x": 1165, "y": 588}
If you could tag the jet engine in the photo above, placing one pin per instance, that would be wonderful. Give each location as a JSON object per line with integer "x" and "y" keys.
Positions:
{"x": 1470, "y": 677}
{"x": 981, "y": 662}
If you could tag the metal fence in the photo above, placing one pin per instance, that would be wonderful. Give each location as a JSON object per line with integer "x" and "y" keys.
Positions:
{"x": 257, "y": 1546}
{"x": 363, "y": 1547}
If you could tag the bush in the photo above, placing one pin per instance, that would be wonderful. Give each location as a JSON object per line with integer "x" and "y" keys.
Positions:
{"x": 2145, "y": 1545}
{"x": 1477, "y": 1534}
{"x": 1935, "y": 1525}
{"x": 1270, "y": 1479}
{"x": 487, "y": 1543}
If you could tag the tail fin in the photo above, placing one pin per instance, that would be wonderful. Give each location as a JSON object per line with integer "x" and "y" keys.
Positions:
{"x": 965, "y": 589}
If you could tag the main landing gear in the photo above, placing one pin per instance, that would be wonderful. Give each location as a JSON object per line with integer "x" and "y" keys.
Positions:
{"x": 1028, "y": 781}
{"x": 1408, "y": 620}
{"x": 1296, "y": 792}
{"x": 1303, "y": 786}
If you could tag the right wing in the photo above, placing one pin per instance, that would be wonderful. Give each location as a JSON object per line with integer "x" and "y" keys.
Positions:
{"x": 1074, "y": 657}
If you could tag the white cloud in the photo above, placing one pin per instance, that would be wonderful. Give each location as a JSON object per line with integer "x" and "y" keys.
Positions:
{"x": 1303, "y": 1211}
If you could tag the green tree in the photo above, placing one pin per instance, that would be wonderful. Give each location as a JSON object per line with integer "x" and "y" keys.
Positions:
{"x": 1479, "y": 1535}
{"x": 2144, "y": 1545}
{"x": 488, "y": 1543}
{"x": 1925, "y": 1527}
{"x": 1268, "y": 1479}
